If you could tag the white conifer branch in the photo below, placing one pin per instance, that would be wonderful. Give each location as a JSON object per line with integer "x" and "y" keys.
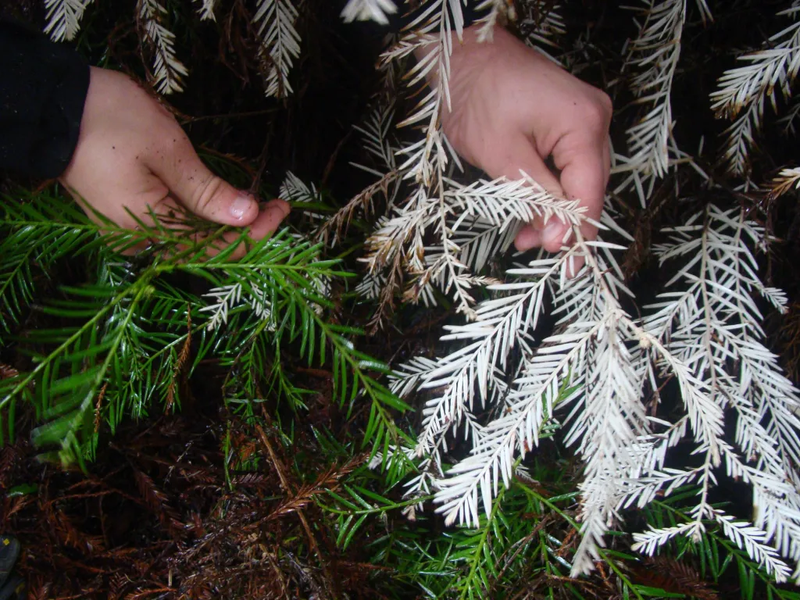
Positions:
{"x": 276, "y": 19}
{"x": 654, "y": 56}
{"x": 754, "y": 541}
{"x": 785, "y": 181}
{"x": 206, "y": 9}
{"x": 293, "y": 189}
{"x": 366, "y": 10}
{"x": 167, "y": 69}
{"x": 650, "y": 541}
{"x": 790, "y": 118}
{"x": 225, "y": 298}
{"x": 494, "y": 333}
{"x": 64, "y": 18}
{"x": 742, "y": 91}
{"x": 713, "y": 324}
{"x": 481, "y": 240}
{"x": 494, "y": 9}
{"x": 229, "y": 297}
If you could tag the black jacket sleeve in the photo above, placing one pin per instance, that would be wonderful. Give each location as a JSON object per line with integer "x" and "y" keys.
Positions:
{"x": 43, "y": 88}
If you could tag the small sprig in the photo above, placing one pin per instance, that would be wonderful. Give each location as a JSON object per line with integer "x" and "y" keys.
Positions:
{"x": 368, "y": 10}
{"x": 167, "y": 69}
{"x": 64, "y": 18}
{"x": 280, "y": 41}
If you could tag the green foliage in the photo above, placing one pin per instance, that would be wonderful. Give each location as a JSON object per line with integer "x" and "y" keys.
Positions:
{"x": 718, "y": 559}
{"x": 101, "y": 337}
{"x": 119, "y": 336}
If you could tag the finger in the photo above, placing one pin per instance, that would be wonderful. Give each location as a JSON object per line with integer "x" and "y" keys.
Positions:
{"x": 520, "y": 155}
{"x": 198, "y": 189}
{"x": 584, "y": 175}
{"x": 266, "y": 223}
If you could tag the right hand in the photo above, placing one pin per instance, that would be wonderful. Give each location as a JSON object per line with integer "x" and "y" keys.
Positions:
{"x": 512, "y": 108}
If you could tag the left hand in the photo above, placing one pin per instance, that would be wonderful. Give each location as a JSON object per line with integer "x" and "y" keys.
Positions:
{"x": 512, "y": 108}
{"x": 132, "y": 157}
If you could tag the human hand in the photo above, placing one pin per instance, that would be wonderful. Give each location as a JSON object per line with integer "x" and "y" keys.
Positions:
{"x": 132, "y": 154}
{"x": 512, "y": 108}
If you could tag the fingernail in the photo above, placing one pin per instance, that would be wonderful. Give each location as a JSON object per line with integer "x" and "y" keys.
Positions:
{"x": 240, "y": 206}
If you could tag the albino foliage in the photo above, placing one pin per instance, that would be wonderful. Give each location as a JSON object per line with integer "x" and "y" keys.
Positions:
{"x": 280, "y": 40}
{"x": 653, "y": 59}
{"x": 368, "y": 10}
{"x": 167, "y": 69}
{"x": 228, "y": 297}
{"x": 64, "y": 18}
{"x": 542, "y": 23}
{"x": 743, "y": 91}
{"x": 595, "y": 370}
{"x": 591, "y": 374}
{"x": 785, "y": 181}
{"x": 654, "y": 54}
{"x": 206, "y": 9}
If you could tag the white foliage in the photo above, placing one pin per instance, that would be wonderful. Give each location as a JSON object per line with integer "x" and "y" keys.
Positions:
{"x": 229, "y": 297}
{"x": 590, "y": 353}
{"x": 225, "y": 298}
{"x": 276, "y": 19}
{"x": 64, "y": 18}
{"x": 493, "y": 10}
{"x": 653, "y": 60}
{"x": 713, "y": 325}
{"x": 293, "y": 189}
{"x": 785, "y": 181}
{"x": 594, "y": 369}
{"x": 376, "y": 136}
{"x": 743, "y": 91}
{"x": 500, "y": 204}
{"x": 653, "y": 56}
{"x": 206, "y": 9}
{"x": 788, "y": 121}
{"x": 368, "y": 10}
{"x": 167, "y": 69}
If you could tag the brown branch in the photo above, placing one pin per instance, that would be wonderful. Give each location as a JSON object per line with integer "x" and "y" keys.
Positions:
{"x": 157, "y": 502}
{"x": 312, "y": 541}
{"x": 340, "y": 221}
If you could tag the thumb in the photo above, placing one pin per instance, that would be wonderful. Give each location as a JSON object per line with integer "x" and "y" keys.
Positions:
{"x": 199, "y": 190}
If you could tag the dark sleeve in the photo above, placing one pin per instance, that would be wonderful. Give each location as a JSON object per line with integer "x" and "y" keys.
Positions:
{"x": 43, "y": 88}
